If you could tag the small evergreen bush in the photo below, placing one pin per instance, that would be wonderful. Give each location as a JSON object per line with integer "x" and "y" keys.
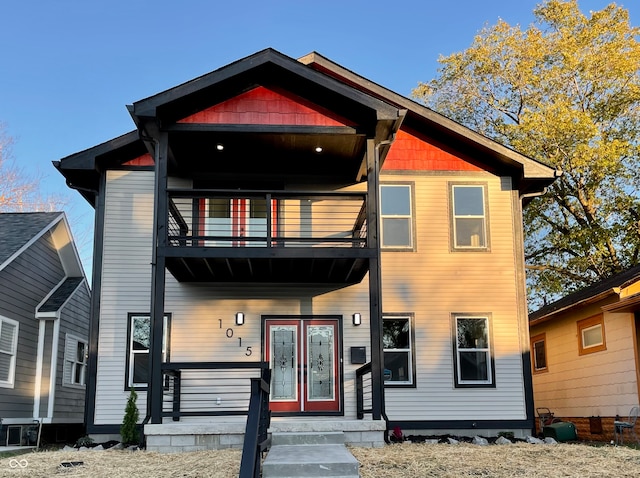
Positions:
{"x": 129, "y": 427}
{"x": 85, "y": 441}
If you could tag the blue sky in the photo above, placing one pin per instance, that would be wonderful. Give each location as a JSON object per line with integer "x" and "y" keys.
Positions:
{"x": 69, "y": 67}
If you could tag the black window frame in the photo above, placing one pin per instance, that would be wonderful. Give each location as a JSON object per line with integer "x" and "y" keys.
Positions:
{"x": 453, "y": 217}
{"x": 128, "y": 384}
{"x": 412, "y": 217}
{"x": 458, "y": 382}
{"x": 412, "y": 349}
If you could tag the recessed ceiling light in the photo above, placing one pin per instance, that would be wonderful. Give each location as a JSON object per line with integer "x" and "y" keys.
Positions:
{"x": 219, "y": 147}
{"x": 318, "y": 149}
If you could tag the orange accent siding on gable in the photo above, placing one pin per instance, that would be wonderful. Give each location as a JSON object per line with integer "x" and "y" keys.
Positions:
{"x": 413, "y": 153}
{"x": 266, "y": 106}
{"x": 144, "y": 160}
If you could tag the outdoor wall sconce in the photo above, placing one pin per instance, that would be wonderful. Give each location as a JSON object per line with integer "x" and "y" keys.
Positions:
{"x": 239, "y": 318}
{"x": 357, "y": 319}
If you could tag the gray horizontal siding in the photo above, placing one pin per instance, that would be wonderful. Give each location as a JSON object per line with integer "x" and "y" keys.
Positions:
{"x": 23, "y": 285}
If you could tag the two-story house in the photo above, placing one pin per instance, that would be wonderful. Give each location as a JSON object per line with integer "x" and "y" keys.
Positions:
{"x": 44, "y": 330}
{"x": 294, "y": 215}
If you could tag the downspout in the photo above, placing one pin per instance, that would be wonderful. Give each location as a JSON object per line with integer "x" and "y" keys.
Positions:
{"x": 526, "y": 358}
{"x": 379, "y": 344}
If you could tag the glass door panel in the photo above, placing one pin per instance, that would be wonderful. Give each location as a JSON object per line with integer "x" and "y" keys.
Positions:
{"x": 284, "y": 362}
{"x": 320, "y": 354}
{"x": 303, "y": 354}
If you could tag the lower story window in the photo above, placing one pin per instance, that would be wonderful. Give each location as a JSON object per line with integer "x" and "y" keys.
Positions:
{"x": 539, "y": 353}
{"x": 473, "y": 358}
{"x": 139, "y": 344}
{"x": 76, "y": 352}
{"x": 591, "y": 336}
{"x": 8, "y": 350}
{"x": 397, "y": 340}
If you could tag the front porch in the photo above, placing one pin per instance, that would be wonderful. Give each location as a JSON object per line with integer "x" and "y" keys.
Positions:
{"x": 228, "y": 432}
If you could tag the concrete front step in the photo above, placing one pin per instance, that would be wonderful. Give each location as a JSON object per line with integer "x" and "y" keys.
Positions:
{"x": 316, "y": 460}
{"x": 307, "y": 438}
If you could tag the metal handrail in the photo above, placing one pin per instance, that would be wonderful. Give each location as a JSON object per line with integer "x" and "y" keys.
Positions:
{"x": 258, "y": 421}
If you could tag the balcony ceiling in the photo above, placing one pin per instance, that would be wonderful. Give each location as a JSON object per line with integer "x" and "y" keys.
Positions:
{"x": 277, "y": 152}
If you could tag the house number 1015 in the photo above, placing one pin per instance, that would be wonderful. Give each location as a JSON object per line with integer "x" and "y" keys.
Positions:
{"x": 229, "y": 334}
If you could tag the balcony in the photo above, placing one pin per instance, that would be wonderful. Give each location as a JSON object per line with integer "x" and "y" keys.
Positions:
{"x": 258, "y": 236}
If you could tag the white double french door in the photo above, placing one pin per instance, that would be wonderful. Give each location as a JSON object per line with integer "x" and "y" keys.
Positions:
{"x": 303, "y": 354}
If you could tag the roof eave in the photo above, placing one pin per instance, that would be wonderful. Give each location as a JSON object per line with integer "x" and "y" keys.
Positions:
{"x": 533, "y": 171}
{"x": 586, "y": 301}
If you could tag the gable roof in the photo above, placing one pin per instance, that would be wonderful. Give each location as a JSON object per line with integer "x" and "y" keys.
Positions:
{"x": 534, "y": 173}
{"x": 18, "y": 231}
{"x": 379, "y": 112}
{"x": 587, "y": 295}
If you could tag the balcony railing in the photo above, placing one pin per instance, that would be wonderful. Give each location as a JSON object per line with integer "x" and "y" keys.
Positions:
{"x": 256, "y": 218}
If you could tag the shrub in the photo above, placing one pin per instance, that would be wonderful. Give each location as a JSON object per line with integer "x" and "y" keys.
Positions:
{"x": 129, "y": 428}
{"x": 85, "y": 441}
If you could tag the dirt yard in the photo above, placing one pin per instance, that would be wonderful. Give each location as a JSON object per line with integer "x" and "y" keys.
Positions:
{"x": 393, "y": 461}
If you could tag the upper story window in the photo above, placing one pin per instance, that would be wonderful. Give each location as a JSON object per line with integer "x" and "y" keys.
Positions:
{"x": 399, "y": 356}
{"x": 76, "y": 353}
{"x": 539, "y": 353}
{"x": 396, "y": 216}
{"x": 591, "y": 336}
{"x": 473, "y": 357}
{"x": 8, "y": 351}
{"x": 139, "y": 344}
{"x": 469, "y": 219}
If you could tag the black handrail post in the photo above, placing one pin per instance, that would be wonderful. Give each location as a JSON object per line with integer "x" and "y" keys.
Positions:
{"x": 176, "y": 395}
{"x": 255, "y": 435}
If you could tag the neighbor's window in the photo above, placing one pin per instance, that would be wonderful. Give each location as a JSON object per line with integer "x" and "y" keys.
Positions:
{"x": 472, "y": 351}
{"x": 76, "y": 352}
{"x": 139, "y": 345}
{"x": 539, "y": 353}
{"x": 591, "y": 335}
{"x": 396, "y": 216}
{"x": 397, "y": 340}
{"x": 8, "y": 348}
{"x": 469, "y": 216}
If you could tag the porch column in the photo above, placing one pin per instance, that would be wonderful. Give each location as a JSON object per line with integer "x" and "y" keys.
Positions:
{"x": 375, "y": 281}
{"x": 154, "y": 391}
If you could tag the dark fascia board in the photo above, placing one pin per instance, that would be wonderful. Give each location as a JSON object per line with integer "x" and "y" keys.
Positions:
{"x": 532, "y": 168}
{"x": 82, "y": 170}
{"x": 86, "y": 160}
{"x": 148, "y": 107}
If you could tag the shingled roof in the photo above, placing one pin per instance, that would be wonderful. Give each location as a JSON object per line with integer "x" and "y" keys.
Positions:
{"x": 599, "y": 289}
{"x": 17, "y": 229}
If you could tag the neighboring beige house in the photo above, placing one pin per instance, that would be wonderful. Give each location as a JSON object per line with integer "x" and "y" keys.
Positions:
{"x": 584, "y": 354}
{"x": 292, "y": 215}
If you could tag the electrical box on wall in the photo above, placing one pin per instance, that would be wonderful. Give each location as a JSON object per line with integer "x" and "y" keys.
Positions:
{"x": 358, "y": 355}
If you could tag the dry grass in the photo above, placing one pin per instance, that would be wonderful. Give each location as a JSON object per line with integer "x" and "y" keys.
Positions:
{"x": 392, "y": 461}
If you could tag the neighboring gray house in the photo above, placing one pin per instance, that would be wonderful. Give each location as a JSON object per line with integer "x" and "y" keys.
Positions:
{"x": 44, "y": 329}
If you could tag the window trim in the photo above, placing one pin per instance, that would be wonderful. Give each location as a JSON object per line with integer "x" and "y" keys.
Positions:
{"x": 71, "y": 365}
{"x": 128, "y": 379}
{"x": 452, "y": 216}
{"x": 412, "y": 349}
{"x": 412, "y": 217}
{"x": 10, "y": 383}
{"x": 491, "y": 381}
{"x": 589, "y": 323}
{"x": 534, "y": 340}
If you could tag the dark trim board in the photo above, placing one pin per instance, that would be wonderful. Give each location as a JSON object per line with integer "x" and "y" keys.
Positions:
{"x": 460, "y": 424}
{"x": 96, "y": 291}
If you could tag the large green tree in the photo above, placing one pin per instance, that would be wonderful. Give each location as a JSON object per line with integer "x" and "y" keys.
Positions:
{"x": 565, "y": 91}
